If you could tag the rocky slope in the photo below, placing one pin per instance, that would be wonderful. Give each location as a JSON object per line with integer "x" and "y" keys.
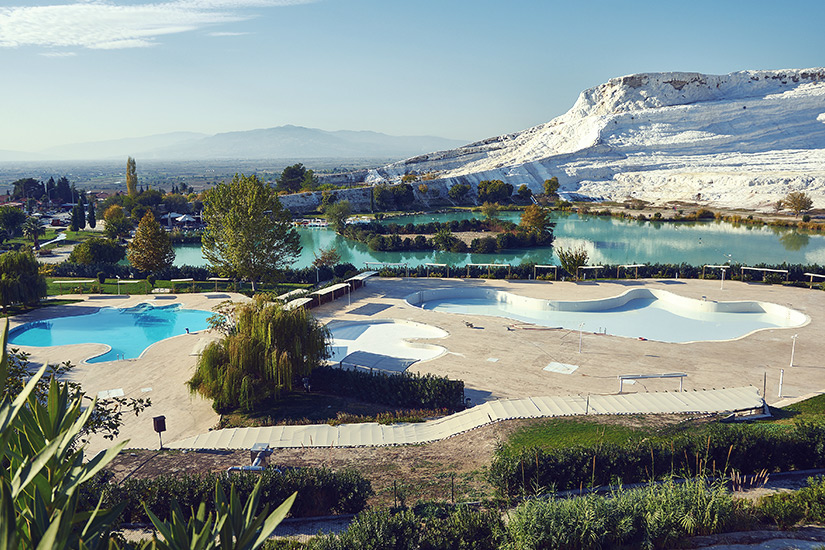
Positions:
{"x": 743, "y": 139}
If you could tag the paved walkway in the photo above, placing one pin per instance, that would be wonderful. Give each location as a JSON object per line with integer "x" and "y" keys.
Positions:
{"x": 373, "y": 434}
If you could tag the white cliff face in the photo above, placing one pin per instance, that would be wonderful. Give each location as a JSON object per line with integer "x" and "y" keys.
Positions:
{"x": 742, "y": 140}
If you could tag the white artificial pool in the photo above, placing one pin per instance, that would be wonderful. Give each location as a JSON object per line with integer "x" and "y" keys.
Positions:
{"x": 383, "y": 344}
{"x": 650, "y": 314}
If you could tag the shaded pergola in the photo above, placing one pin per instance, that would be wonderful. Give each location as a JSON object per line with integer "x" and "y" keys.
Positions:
{"x": 812, "y": 275}
{"x": 629, "y": 266}
{"x": 724, "y": 268}
{"x": 489, "y": 267}
{"x": 765, "y": 270}
{"x": 217, "y": 280}
{"x": 585, "y": 268}
{"x": 80, "y": 282}
{"x": 126, "y": 282}
{"x": 186, "y": 280}
{"x": 555, "y": 269}
{"x": 438, "y": 265}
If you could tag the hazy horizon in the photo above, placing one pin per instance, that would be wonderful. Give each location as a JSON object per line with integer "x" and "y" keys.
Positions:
{"x": 81, "y": 71}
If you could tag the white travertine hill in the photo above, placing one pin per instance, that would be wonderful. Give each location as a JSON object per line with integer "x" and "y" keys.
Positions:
{"x": 744, "y": 139}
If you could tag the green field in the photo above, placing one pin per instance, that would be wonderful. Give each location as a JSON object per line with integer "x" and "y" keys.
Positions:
{"x": 110, "y": 286}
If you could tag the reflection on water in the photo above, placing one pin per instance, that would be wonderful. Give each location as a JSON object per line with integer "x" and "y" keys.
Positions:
{"x": 607, "y": 241}
{"x": 793, "y": 240}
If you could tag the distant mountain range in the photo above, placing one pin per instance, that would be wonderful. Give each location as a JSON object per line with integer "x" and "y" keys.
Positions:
{"x": 282, "y": 142}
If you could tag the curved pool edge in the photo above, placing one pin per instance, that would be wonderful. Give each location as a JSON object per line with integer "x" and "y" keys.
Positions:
{"x": 798, "y": 318}
{"x": 89, "y": 360}
{"x": 405, "y": 342}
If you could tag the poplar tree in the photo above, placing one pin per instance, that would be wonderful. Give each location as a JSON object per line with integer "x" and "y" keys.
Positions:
{"x": 151, "y": 249}
{"x": 131, "y": 177}
{"x": 91, "y": 217}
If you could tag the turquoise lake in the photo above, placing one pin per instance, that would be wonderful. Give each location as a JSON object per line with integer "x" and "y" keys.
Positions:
{"x": 607, "y": 240}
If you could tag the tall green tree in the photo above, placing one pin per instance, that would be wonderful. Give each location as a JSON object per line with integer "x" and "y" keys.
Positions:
{"x": 494, "y": 191}
{"x": 28, "y": 188}
{"x": 296, "y": 177}
{"x": 97, "y": 251}
{"x": 78, "y": 218}
{"x": 131, "y": 177}
{"x": 151, "y": 249}
{"x": 798, "y": 202}
{"x": 20, "y": 279}
{"x": 551, "y": 186}
{"x": 118, "y": 225}
{"x": 490, "y": 210}
{"x": 11, "y": 219}
{"x": 572, "y": 259}
{"x": 337, "y": 214}
{"x": 63, "y": 191}
{"x": 91, "y": 217}
{"x": 536, "y": 218}
{"x": 33, "y": 229}
{"x": 248, "y": 232}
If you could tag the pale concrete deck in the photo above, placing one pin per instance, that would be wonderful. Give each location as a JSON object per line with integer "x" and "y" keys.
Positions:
{"x": 493, "y": 362}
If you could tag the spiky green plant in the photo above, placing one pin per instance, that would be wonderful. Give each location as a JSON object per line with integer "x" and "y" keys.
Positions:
{"x": 43, "y": 470}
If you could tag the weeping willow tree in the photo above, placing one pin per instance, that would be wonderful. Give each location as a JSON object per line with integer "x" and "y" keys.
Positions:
{"x": 267, "y": 349}
{"x": 20, "y": 279}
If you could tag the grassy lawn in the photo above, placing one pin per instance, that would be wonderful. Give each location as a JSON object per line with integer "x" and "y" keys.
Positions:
{"x": 111, "y": 287}
{"x": 556, "y": 433}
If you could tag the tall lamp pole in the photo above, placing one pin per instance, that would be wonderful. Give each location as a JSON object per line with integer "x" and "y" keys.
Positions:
{"x": 793, "y": 347}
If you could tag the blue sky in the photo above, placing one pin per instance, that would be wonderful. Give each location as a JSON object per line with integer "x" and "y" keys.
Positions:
{"x": 75, "y": 71}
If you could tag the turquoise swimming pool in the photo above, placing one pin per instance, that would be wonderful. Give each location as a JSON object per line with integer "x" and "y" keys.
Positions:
{"x": 127, "y": 331}
{"x": 647, "y": 314}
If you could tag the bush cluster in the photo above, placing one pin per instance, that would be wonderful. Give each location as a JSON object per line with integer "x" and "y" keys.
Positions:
{"x": 747, "y": 449}
{"x": 388, "y": 237}
{"x": 320, "y": 491}
{"x": 423, "y": 528}
{"x": 398, "y": 390}
{"x": 807, "y": 505}
{"x": 657, "y": 516}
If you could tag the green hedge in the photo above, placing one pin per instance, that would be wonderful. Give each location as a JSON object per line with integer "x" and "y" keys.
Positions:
{"x": 657, "y": 516}
{"x": 320, "y": 492}
{"x": 408, "y": 390}
{"x": 439, "y": 529}
{"x": 747, "y": 448}
{"x": 807, "y": 505}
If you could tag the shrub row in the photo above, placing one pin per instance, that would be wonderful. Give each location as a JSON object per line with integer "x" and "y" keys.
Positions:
{"x": 399, "y": 390}
{"x": 796, "y": 272}
{"x": 652, "y": 517}
{"x": 807, "y": 505}
{"x": 720, "y": 448}
{"x": 306, "y": 276}
{"x": 419, "y": 529}
{"x": 320, "y": 492}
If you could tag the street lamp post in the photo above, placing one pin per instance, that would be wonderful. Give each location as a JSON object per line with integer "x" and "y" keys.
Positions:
{"x": 793, "y": 346}
{"x": 581, "y": 325}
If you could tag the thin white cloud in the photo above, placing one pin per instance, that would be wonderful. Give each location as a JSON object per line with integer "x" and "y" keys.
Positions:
{"x": 58, "y": 54}
{"x": 228, "y": 33}
{"x": 102, "y": 24}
